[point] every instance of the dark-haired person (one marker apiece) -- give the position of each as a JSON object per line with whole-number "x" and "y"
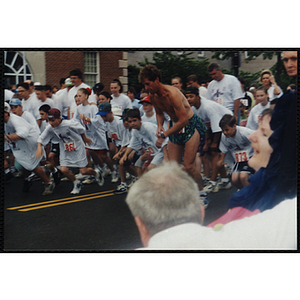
{"x": 119, "y": 101}
{"x": 224, "y": 89}
{"x": 131, "y": 93}
{"x": 22, "y": 138}
{"x": 186, "y": 129}
{"x": 76, "y": 77}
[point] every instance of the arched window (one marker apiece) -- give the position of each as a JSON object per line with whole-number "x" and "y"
{"x": 17, "y": 69}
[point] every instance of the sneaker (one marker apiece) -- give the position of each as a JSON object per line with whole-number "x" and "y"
{"x": 134, "y": 179}
{"x": 204, "y": 200}
{"x": 114, "y": 176}
{"x": 128, "y": 176}
{"x": 205, "y": 181}
{"x": 106, "y": 172}
{"x": 57, "y": 176}
{"x": 224, "y": 185}
{"x": 33, "y": 177}
{"x": 17, "y": 174}
{"x": 121, "y": 189}
{"x": 210, "y": 187}
{"x": 49, "y": 187}
{"x": 27, "y": 185}
{"x": 99, "y": 178}
{"x": 89, "y": 180}
{"x": 79, "y": 176}
{"x": 77, "y": 188}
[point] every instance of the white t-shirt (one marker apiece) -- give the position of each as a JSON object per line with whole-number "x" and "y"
{"x": 30, "y": 119}
{"x": 61, "y": 101}
{"x": 31, "y": 105}
{"x": 255, "y": 115}
{"x": 71, "y": 145}
{"x": 117, "y": 132}
{"x": 23, "y": 150}
{"x": 202, "y": 91}
{"x": 8, "y": 95}
{"x": 118, "y": 104}
{"x": 154, "y": 120}
{"x": 71, "y": 94}
{"x": 272, "y": 96}
{"x": 95, "y": 130}
{"x": 238, "y": 143}
{"x": 225, "y": 92}
{"x": 145, "y": 138}
{"x": 211, "y": 113}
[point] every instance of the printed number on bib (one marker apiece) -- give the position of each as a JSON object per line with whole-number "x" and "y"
{"x": 150, "y": 150}
{"x": 114, "y": 136}
{"x": 69, "y": 146}
{"x": 240, "y": 156}
{"x": 244, "y": 101}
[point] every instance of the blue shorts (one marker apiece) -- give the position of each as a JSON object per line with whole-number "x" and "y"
{"x": 195, "y": 123}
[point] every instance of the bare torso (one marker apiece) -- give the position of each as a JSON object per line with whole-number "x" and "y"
{"x": 170, "y": 100}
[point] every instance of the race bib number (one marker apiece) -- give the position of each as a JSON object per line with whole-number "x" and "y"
{"x": 258, "y": 118}
{"x": 244, "y": 101}
{"x": 219, "y": 100}
{"x": 150, "y": 150}
{"x": 114, "y": 136}
{"x": 240, "y": 156}
{"x": 69, "y": 146}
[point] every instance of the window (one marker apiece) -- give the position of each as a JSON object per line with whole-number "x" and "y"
{"x": 17, "y": 69}
{"x": 91, "y": 68}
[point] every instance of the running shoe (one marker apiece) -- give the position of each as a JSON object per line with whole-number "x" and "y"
{"x": 49, "y": 188}
{"x": 128, "y": 176}
{"x": 99, "y": 178}
{"x": 224, "y": 185}
{"x": 27, "y": 184}
{"x": 121, "y": 189}
{"x": 205, "y": 181}
{"x": 204, "y": 200}
{"x": 79, "y": 176}
{"x": 77, "y": 188}
{"x": 211, "y": 187}
{"x": 89, "y": 180}
{"x": 106, "y": 172}
{"x": 134, "y": 179}
{"x": 114, "y": 176}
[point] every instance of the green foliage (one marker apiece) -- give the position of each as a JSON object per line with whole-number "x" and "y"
{"x": 172, "y": 66}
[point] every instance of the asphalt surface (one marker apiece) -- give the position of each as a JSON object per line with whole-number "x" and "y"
{"x": 95, "y": 220}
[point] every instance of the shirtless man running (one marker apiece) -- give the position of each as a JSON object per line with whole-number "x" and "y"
{"x": 185, "y": 129}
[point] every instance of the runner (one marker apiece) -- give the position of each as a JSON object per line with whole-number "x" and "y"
{"x": 72, "y": 138}
{"x": 22, "y": 138}
{"x": 186, "y": 128}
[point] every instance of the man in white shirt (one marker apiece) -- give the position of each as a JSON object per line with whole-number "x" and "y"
{"x": 76, "y": 77}
{"x": 224, "y": 89}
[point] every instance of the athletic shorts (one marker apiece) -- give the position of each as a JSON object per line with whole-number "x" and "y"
{"x": 242, "y": 167}
{"x": 55, "y": 149}
{"x": 19, "y": 167}
{"x": 182, "y": 137}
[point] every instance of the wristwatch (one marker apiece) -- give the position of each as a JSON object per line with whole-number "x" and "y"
{"x": 162, "y": 135}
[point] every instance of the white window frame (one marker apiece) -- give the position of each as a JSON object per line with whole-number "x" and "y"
{"x": 97, "y": 73}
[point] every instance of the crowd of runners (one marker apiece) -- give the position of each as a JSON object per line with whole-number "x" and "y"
{"x": 209, "y": 128}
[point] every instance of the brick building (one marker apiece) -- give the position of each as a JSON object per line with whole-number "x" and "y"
{"x": 48, "y": 67}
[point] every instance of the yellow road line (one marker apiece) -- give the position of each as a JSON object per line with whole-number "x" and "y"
{"x": 66, "y": 202}
{"x": 58, "y": 200}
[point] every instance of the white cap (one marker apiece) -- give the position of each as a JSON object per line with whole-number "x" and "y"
{"x": 37, "y": 83}
{"x": 6, "y": 107}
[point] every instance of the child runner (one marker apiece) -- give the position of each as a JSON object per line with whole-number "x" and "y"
{"x": 72, "y": 138}
{"x": 235, "y": 139}
{"x": 95, "y": 127}
{"x": 22, "y": 138}
{"x": 262, "y": 98}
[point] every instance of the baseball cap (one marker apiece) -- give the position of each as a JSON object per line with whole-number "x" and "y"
{"x": 53, "y": 113}
{"x": 68, "y": 82}
{"x": 6, "y": 107}
{"x": 146, "y": 99}
{"x": 15, "y": 101}
{"x": 104, "y": 109}
{"x": 192, "y": 90}
{"x": 98, "y": 87}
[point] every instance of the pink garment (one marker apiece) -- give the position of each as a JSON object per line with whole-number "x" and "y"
{"x": 233, "y": 214}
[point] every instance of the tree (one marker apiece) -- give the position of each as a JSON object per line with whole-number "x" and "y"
{"x": 172, "y": 66}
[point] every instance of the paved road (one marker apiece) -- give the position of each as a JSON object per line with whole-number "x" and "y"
{"x": 95, "y": 220}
